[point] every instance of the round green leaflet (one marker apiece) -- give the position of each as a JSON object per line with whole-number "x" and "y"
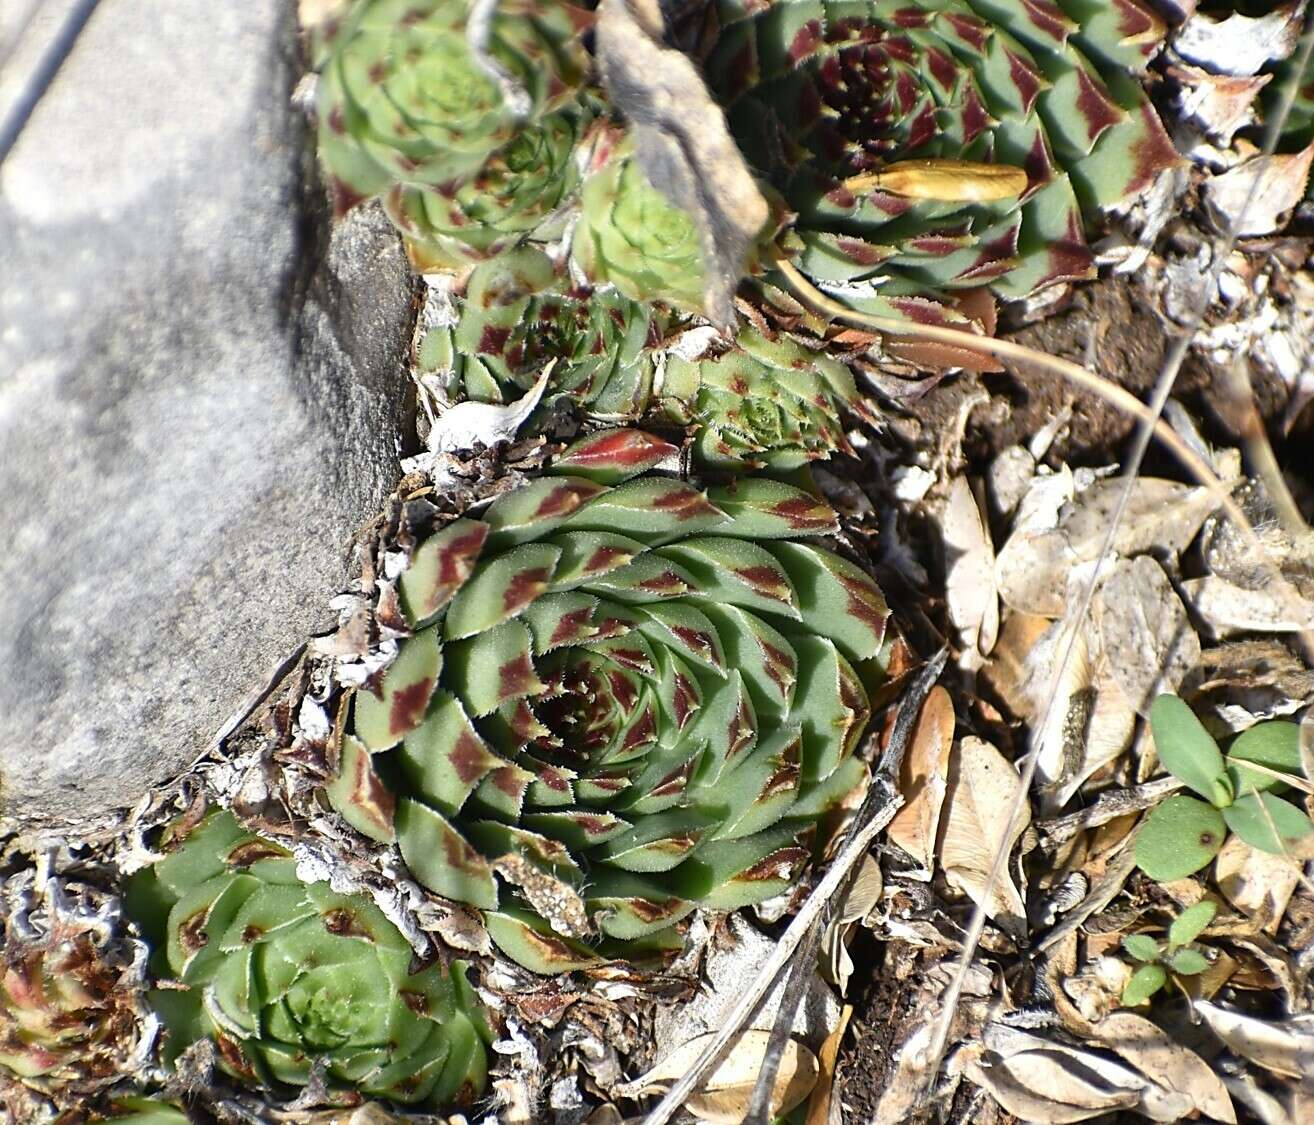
{"x": 1179, "y": 837}
{"x": 286, "y": 977}
{"x": 625, "y": 693}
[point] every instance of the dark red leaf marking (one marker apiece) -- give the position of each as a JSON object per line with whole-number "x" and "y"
{"x": 469, "y": 758}
{"x": 516, "y": 677}
{"x": 524, "y": 588}
{"x": 408, "y": 705}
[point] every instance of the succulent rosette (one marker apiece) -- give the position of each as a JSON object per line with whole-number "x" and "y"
{"x": 934, "y": 146}
{"x": 412, "y": 94}
{"x": 519, "y": 312}
{"x": 518, "y": 194}
{"x": 631, "y": 236}
{"x": 289, "y": 978}
{"x": 70, "y": 995}
{"x": 624, "y": 697}
{"x": 761, "y": 403}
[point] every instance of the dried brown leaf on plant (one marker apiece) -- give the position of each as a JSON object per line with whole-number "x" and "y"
{"x": 1241, "y": 44}
{"x": 982, "y": 789}
{"x": 682, "y": 143}
{"x": 1145, "y": 633}
{"x": 922, "y": 779}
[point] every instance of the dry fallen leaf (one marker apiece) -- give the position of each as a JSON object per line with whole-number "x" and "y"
{"x": 725, "y": 1094}
{"x": 1256, "y": 197}
{"x": 1220, "y": 103}
{"x": 1166, "y": 1063}
{"x": 922, "y": 778}
{"x": 1259, "y": 884}
{"x": 824, "y": 1105}
{"x": 970, "y": 593}
{"x": 1240, "y": 44}
{"x": 1050, "y": 1087}
{"x": 981, "y": 792}
{"x": 1282, "y": 1046}
{"x": 682, "y": 142}
{"x": 1144, "y": 631}
{"x": 1228, "y": 608}
{"x": 1091, "y": 722}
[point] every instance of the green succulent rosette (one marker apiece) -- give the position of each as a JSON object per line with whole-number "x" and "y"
{"x": 518, "y": 194}
{"x": 287, "y": 977}
{"x": 405, "y": 98}
{"x": 873, "y": 119}
{"x": 519, "y": 312}
{"x": 761, "y": 403}
{"x": 622, "y": 692}
{"x": 631, "y": 236}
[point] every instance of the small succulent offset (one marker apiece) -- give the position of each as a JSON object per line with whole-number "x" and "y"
{"x": 624, "y": 697}
{"x": 756, "y": 403}
{"x": 1177, "y": 957}
{"x": 136, "y": 1109}
{"x": 934, "y": 146}
{"x": 70, "y": 1011}
{"x": 290, "y": 979}
{"x": 468, "y": 131}
{"x": 1182, "y": 834}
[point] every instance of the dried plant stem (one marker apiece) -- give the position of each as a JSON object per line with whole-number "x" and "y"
{"x": 1108, "y": 806}
{"x": 874, "y": 814}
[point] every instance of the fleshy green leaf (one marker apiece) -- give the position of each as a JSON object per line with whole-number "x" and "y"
{"x": 383, "y": 717}
{"x": 1273, "y": 744}
{"x": 1267, "y": 822}
{"x": 1192, "y": 922}
{"x": 1141, "y": 946}
{"x": 1144, "y": 983}
{"x": 1188, "y": 751}
{"x": 1179, "y": 837}
{"x": 1188, "y": 962}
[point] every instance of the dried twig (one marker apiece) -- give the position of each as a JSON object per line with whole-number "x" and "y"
{"x": 1108, "y": 806}
{"x": 876, "y": 811}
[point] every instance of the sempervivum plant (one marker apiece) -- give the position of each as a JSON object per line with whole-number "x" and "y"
{"x": 623, "y": 697}
{"x": 933, "y": 146}
{"x": 69, "y": 992}
{"x": 631, "y": 236}
{"x": 519, "y": 312}
{"x": 290, "y": 979}
{"x": 757, "y": 402}
{"x": 415, "y": 99}
{"x": 760, "y": 403}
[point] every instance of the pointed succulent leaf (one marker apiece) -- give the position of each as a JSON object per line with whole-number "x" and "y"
{"x": 530, "y": 941}
{"x": 1267, "y": 822}
{"x": 441, "y": 858}
{"x": 612, "y": 456}
{"x": 289, "y": 980}
{"x": 439, "y": 568}
{"x": 396, "y": 706}
{"x": 1179, "y": 837}
{"x": 359, "y": 794}
{"x": 1188, "y": 751}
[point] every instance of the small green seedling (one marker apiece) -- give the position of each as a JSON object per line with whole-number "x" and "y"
{"x": 1177, "y": 957}
{"x": 1182, "y": 834}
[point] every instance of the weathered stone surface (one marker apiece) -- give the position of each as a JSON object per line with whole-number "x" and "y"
{"x": 200, "y": 398}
